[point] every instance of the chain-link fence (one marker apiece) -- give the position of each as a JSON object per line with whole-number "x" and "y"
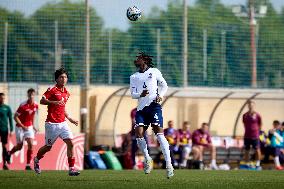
{"x": 225, "y": 48}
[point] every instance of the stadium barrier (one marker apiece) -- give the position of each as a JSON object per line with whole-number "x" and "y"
{"x": 56, "y": 159}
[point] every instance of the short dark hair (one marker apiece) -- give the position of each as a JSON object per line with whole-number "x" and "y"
{"x": 2, "y": 94}
{"x": 251, "y": 101}
{"x": 282, "y": 123}
{"x": 147, "y": 58}
{"x": 186, "y": 123}
{"x": 204, "y": 124}
{"x": 59, "y": 72}
{"x": 276, "y": 122}
{"x": 31, "y": 90}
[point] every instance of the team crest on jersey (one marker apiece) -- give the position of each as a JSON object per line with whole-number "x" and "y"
{"x": 150, "y": 76}
{"x": 31, "y": 112}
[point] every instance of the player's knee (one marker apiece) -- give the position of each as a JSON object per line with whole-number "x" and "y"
{"x": 195, "y": 150}
{"x": 19, "y": 146}
{"x": 48, "y": 148}
{"x": 187, "y": 150}
{"x": 30, "y": 147}
{"x": 139, "y": 135}
{"x": 69, "y": 144}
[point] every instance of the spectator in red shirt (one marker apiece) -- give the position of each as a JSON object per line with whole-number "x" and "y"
{"x": 201, "y": 141}
{"x": 252, "y": 123}
{"x": 56, "y": 125}
{"x": 25, "y": 128}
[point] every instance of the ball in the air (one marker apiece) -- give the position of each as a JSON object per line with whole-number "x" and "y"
{"x": 133, "y": 13}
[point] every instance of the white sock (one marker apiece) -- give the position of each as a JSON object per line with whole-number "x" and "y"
{"x": 143, "y": 147}
{"x": 276, "y": 161}
{"x": 184, "y": 162}
{"x": 213, "y": 162}
{"x": 164, "y": 145}
{"x": 185, "y": 154}
{"x": 257, "y": 163}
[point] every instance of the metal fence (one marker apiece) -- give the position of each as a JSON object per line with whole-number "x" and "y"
{"x": 225, "y": 48}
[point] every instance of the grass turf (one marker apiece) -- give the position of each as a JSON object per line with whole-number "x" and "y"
{"x": 98, "y": 179}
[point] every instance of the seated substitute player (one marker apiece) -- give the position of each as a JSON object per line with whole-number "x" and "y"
{"x": 201, "y": 140}
{"x": 56, "y": 126}
{"x": 25, "y": 128}
{"x": 172, "y": 137}
{"x": 184, "y": 143}
{"x": 276, "y": 144}
{"x": 144, "y": 87}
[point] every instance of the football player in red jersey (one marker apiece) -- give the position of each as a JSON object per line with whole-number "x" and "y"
{"x": 56, "y": 125}
{"x": 25, "y": 128}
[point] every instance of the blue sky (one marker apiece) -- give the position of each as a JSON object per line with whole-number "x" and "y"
{"x": 115, "y": 8}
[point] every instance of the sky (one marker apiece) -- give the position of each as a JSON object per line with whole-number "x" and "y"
{"x": 110, "y": 9}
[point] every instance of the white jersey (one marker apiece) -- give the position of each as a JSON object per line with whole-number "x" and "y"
{"x": 148, "y": 80}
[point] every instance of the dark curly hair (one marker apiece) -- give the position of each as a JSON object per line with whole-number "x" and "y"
{"x": 147, "y": 58}
{"x": 59, "y": 72}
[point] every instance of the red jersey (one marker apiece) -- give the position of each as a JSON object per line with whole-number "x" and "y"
{"x": 252, "y": 123}
{"x": 26, "y": 113}
{"x": 56, "y": 113}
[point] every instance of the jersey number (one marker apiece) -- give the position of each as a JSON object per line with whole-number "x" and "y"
{"x": 144, "y": 85}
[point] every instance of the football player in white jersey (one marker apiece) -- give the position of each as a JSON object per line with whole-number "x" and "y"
{"x": 144, "y": 87}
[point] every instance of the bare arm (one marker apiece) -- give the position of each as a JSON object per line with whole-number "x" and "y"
{"x": 10, "y": 120}
{"x": 75, "y": 122}
{"x": 18, "y": 121}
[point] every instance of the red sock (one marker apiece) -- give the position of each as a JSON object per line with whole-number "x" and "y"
{"x": 71, "y": 161}
{"x": 29, "y": 156}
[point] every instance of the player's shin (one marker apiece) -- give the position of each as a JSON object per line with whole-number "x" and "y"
{"x": 165, "y": 148}
{"x": 143, "y": 147}
{"x": 71, "y": 162}
{"x": 29, "y": 156}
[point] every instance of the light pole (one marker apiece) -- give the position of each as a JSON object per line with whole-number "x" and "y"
{"x": 185, "y": 45}
{"x": 85, "y": 103}
{"x": 252, "y": 14}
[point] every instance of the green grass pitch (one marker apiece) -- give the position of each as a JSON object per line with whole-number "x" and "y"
{"x": 98, "y": 179}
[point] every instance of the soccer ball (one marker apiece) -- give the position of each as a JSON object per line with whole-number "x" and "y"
{"x": 133, "y": 13}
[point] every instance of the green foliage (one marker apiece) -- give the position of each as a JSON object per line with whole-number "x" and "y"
{"x": 31, "y": 49}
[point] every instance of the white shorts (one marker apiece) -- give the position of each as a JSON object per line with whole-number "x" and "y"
{"x": 55, "y": 130}
{"x": 22, "y": 134}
